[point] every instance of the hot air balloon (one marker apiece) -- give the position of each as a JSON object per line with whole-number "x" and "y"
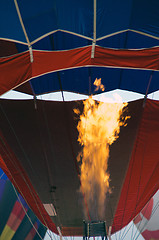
{"x": 17, "y": 219}
{"x": 48, "y": 46}
{"x": 147, "y": 220}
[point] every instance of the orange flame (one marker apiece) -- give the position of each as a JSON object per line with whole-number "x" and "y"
{"x": 98, "y": 128}
{"x": 98, "y": 85}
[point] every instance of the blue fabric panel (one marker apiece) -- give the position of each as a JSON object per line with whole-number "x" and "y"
{"x": 44, "y": 16}
{"x": 138, "y": 81}
{"x": 136, "y": 41}
{"x": 116, "y": 41}
{"x": 61, "y": 41}
{"x": 41, "y": 17}
{"x": 145, "y": 16}
{"x": 74, "y": 80}
{"x": 57, "y": 41}
{"x": 128, "y": 40}
{"x": 112, "y": 16}
{"x": 10, "y": 27}
{"x": 77, "y": 80}
{"x": 65, "y": 41}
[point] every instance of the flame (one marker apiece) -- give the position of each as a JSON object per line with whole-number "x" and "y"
{"x": 98, "y": 128}
{"x": 98, "y": 85}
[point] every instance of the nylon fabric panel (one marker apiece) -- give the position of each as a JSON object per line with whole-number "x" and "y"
{"x": 60, "y": 60}
{"x": 61, "y": 41}
{"x": 128, "y": 40}
{"x": 10, "y": 27}
{"x": 57, "y": 14}
{"x": 145, "y": 17}
{"x": 141, "y": 180}
{"x": 14, "y": 71}
{"x": 113, "y": 16}
{"x": 142, "y": 59}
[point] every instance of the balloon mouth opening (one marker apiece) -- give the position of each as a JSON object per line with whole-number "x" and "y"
{"x": 94, "y": 229}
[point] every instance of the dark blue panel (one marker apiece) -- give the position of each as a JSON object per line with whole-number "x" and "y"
{"x": 39, "y": 17}
{"x": 154, "y": 85}
{"x": 10, "y": 27}
{"x": 57, "y": 41}
{"x": 65, "y": 41}
{"x": 74, "y": 80}
{"x": 138, "y": 81}
{"x": 42, "y": 17}
{"x": 61, "y": 41}
{"x": 112, "y": 16}
{"x": 128, "y": 40}
{"x": 110, "y": 78}
{"x": 145, "y": 16}
{"x": 136, "y": 41}
{"x": 116, "y": 41}
{"x": 78, "y": 80}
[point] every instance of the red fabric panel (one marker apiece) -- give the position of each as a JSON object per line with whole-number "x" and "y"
{"x": 142, "y": 178}
{"x": 143, "y": 59}
{"x": 20, "y": 180}
{"x": 14, "y": 71}
{"x": 150, "y": 235}
{"x": 53, "y": 61}
{"x": 17, "y": 69}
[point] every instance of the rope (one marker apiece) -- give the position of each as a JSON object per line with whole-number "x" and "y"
{"x": 24, "y": 30}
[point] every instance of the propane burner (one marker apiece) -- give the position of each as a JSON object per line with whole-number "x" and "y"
{"x": 94, "y": 229}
